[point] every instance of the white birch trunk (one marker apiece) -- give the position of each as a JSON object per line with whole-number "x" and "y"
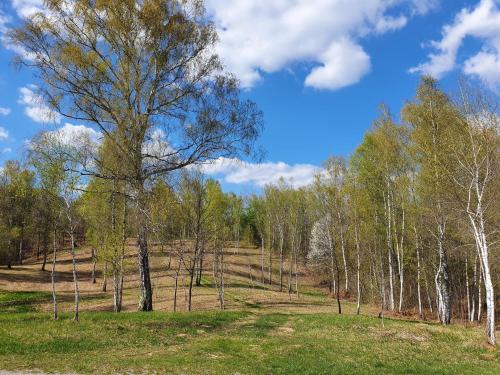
{"x": 419, "y": 294}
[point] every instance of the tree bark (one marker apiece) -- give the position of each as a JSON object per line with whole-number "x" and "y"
{"x": 281, "y": 258}
{"x": 467, "y": 288}
{"x": 443, "y": 280}
{"x": 358, "y": 268}
{"x": 21, "y": 244}
{"x": 53, "y": 276}
{"x": 75, "y": 276}
{"x": 419, "y": 294}
{"x": 105, "y": 277}
{"x": 262, "y": 259}
{"x": 389, "y": 250}
{"x": 342, "y": 246}
{"x": 146, "y": 291}
{"x": 94, "y": 261}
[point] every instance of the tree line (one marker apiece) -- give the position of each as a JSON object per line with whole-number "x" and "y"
{"x": 410, "y": 220}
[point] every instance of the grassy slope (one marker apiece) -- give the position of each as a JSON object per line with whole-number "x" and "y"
{"x": 263, "y": 330}
{"x": 253, "y": 341}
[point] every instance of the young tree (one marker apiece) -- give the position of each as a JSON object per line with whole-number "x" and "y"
{"x": 59, "y": 158}
{"x": 218, "y": 228}
{"x": 475, "y": 172}
{"x": 323, "y": 250}
{"x": 432, "y": 117}
{"x": 194, "y": 203}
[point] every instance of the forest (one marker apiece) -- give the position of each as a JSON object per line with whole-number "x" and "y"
{"x": 406, "y": 227}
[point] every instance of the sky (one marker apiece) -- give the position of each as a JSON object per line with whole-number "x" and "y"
{"x": 318, "y": 69}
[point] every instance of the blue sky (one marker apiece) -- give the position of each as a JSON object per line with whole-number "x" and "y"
{"x": 318, "y": 69}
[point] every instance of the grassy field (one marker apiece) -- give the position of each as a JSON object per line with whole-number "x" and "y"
{"x": 235, "y": 342}
{"x": 263, "y": 331}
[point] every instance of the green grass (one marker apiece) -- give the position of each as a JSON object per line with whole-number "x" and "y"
{"x": 244, "y": 342}
{"x": 16, "y": 302}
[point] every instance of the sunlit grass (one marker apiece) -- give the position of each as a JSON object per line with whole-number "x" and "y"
{"x": 244, "y": 342}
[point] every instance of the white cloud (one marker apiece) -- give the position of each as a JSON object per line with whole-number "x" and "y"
{"x": 4, "y": 134}
{"x": 6, "y": 150}
{"x": 4, "y": 20}
{"x": 72, "y": 135}
{"x": 422, "y": 7}
{"x": 344, "y": 63}
{"x": 4, "y": 111}
{"x": 27, "y": 8}
{"x": 481, "y": 22}
{"x": 271, "y": 35}
{"x": 35, "y": 107}
{"x": 235, "y": 171}
{"x": 485, "y": 65}
{"x": 23, "y": 9}
{"x": 390, "y": 23}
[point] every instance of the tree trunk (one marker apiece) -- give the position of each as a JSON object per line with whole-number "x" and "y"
{"x": 358, "y": 267}
{"x": 38, "y": 245}
{"x": 290, "y": 267}
{"x": 419, "y": 295}
{"x": 190, "y": 295}
{"x": 480, "y": 294}
{"x": 281, "y": 259}
{"x": 105, "y": 277}
{"x": 262, "y": 259}
{"x": 21, "y": 244}
{"x": 389, "y": 250}
{"x": 175, "y": 291}
{"x": 146, "y": 291}
{"x": 467, "y": 287}
{"x": 75, "y": 276}
{"x": 479, "y": 232}
{"x": 53, "y": 276}
{"x": 443, "y": 280}
{"x": 474, "y": 286}
{"x": 296, "y": 275}
{"x": 337, "y": 292}
{"x": 222, "y": 297}
{"x": 199, "y": 269}
{"x": 45, "y": 251}
{"x": 94, "y": 261}
{"x": 271, "y": 260}
{"x": 342, "y": 246}
{"x": 400, "y": 249}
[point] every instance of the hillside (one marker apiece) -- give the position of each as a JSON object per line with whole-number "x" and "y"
{"x": 262, "y": 330}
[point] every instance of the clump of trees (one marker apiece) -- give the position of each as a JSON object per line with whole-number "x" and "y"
{"x": 410, "y": 221}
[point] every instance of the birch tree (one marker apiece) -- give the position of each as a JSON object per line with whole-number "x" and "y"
{"x": 432, "y": 116}
{"x": 475, "y": 171}
{"x": 140, "y": 73}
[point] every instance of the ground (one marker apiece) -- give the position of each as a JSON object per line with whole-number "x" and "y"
{"x": 262, "y": 330}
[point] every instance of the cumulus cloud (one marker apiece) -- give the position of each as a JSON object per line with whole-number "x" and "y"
{"x": 4, "y": 21}
{"x": 4, "y": 111}
{"x": 422, "y": 7}
{"x": 35, "y": 107}
{"x": 482, "y": 23}
{"x": 27, "y": 8}
{"x": 259, "y": 36}
{"x": 22, "y": 9}
{"x": 72, "y": 135}
{"x": 344, "y": 63}
{"x": 4, "y": 134}
{"x": 235, "y": 171}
